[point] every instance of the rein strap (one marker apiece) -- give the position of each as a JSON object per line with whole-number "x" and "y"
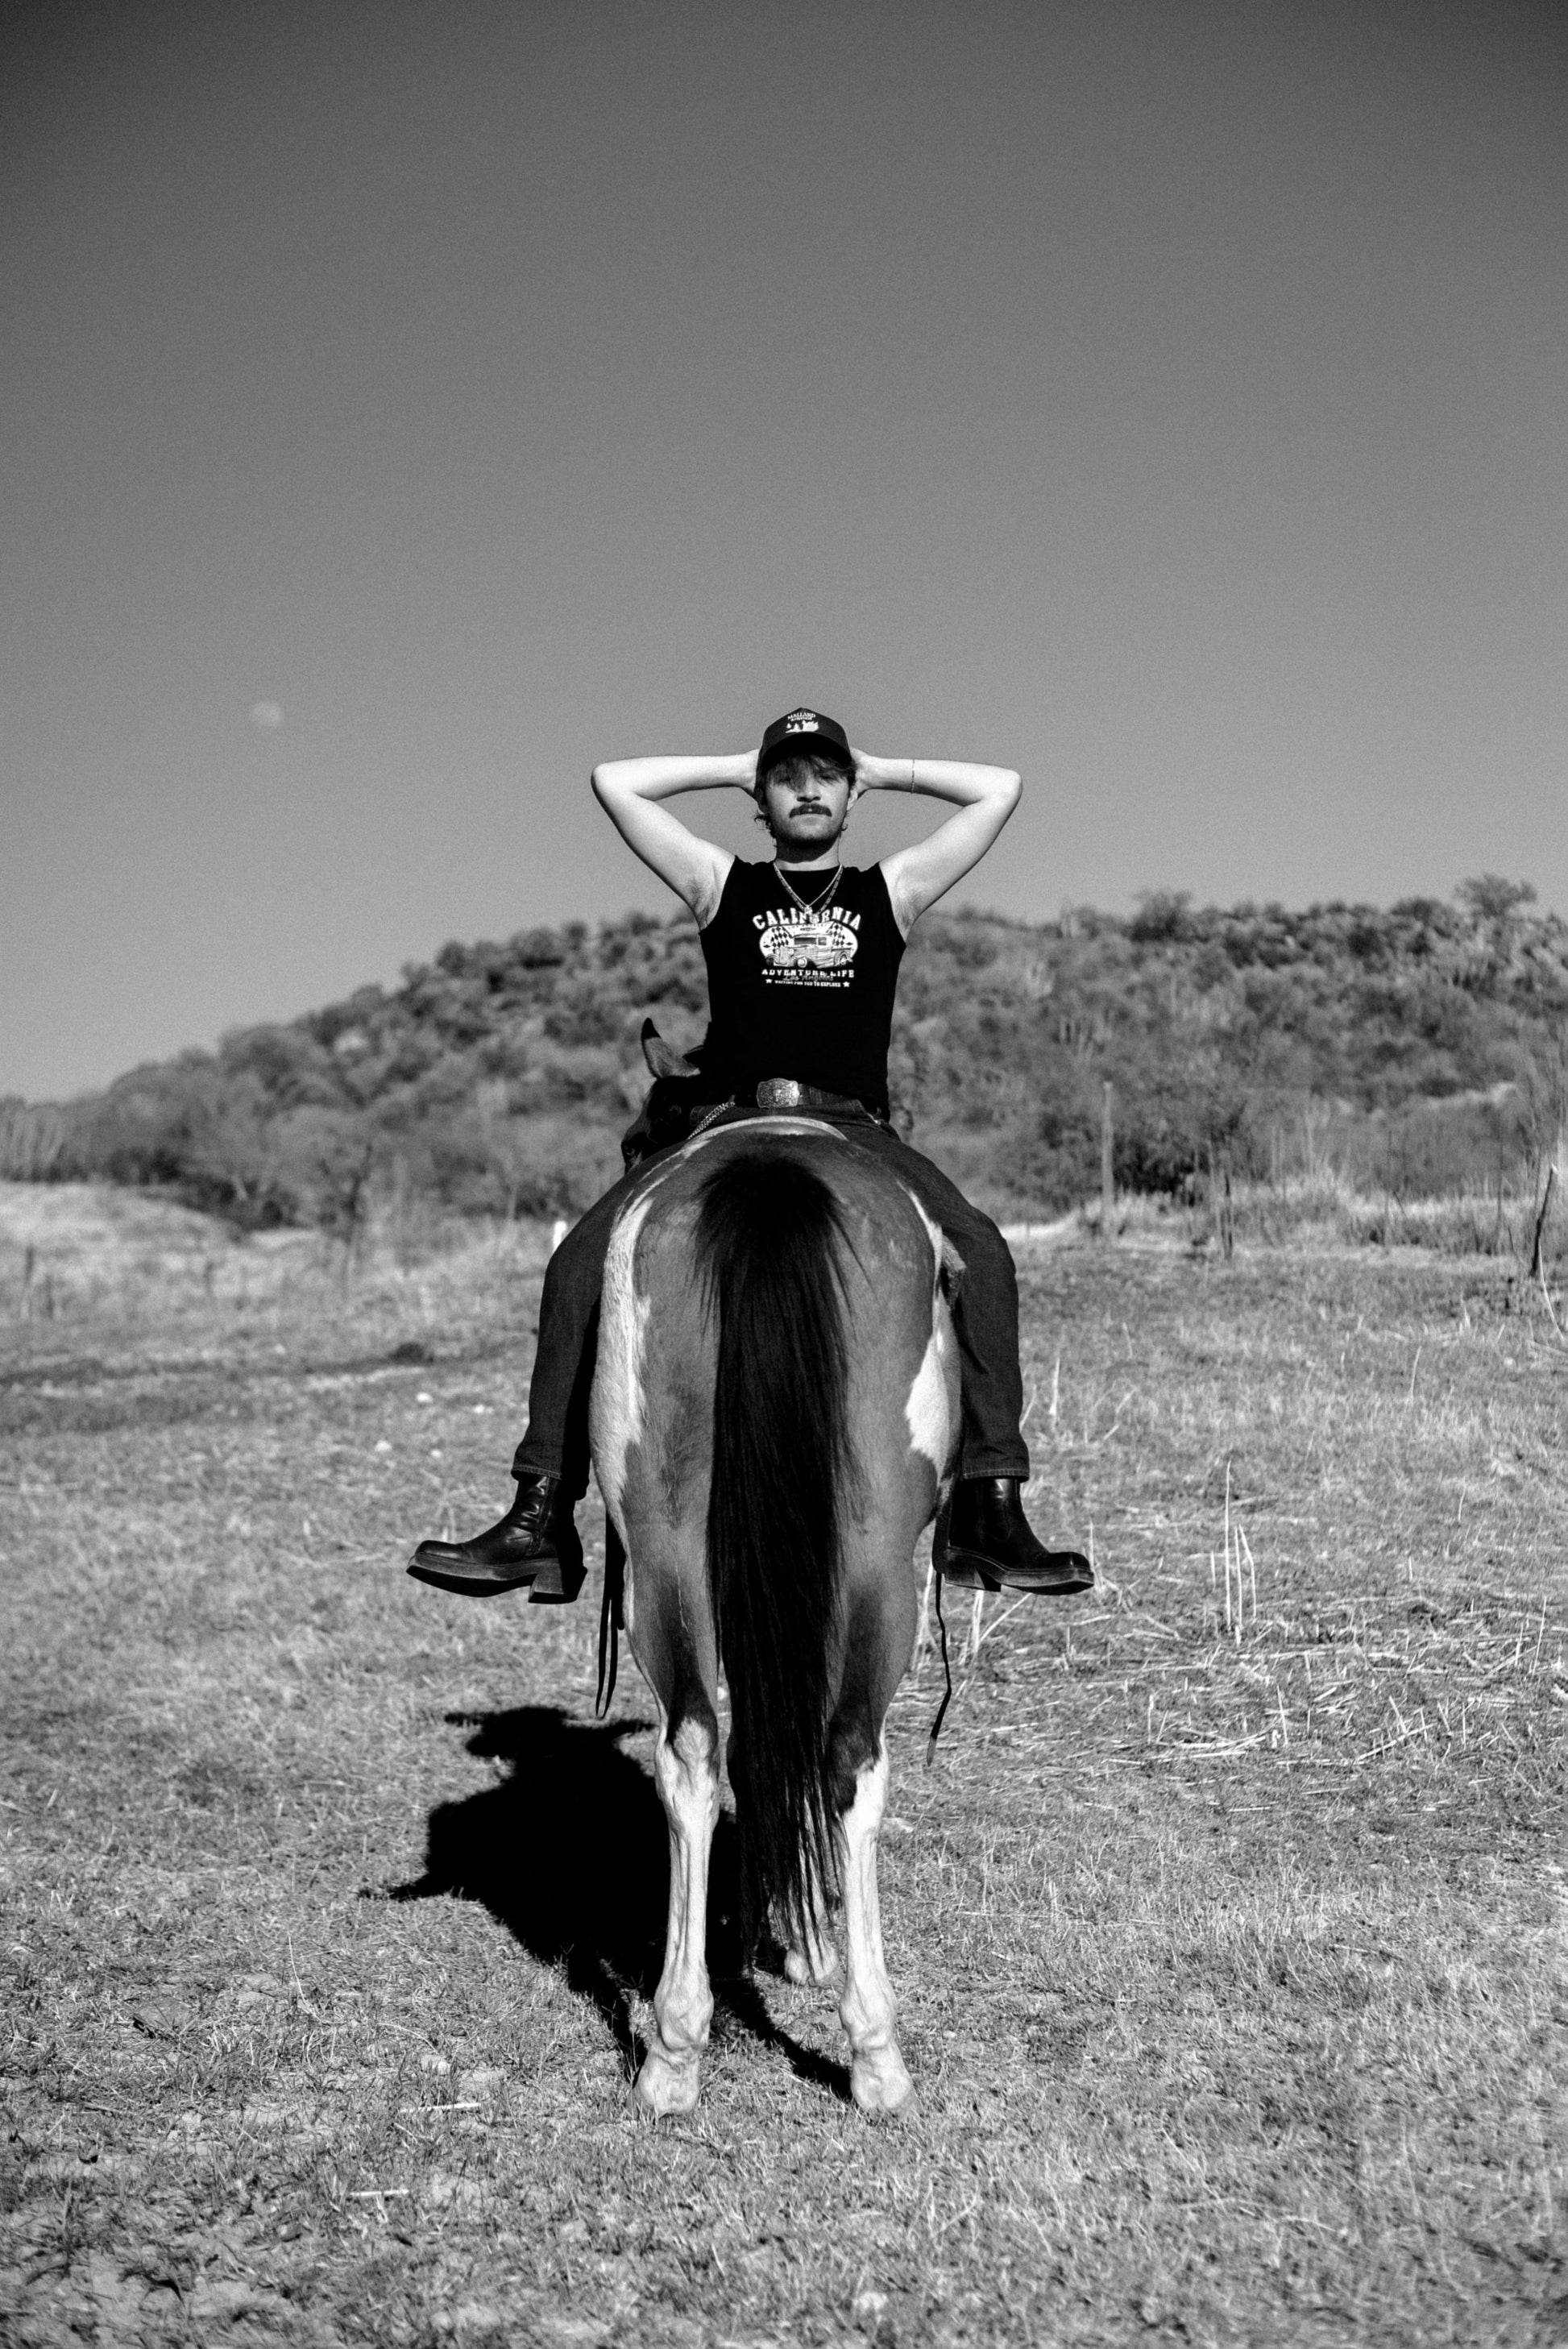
{"x": 610, "y": 1616}
{"x": 947, "y": 1672}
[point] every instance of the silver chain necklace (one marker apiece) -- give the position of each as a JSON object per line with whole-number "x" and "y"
{"x": 813, "y": 904}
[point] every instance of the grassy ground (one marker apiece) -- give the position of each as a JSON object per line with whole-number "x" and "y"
{"x": 1230, "y": 1954}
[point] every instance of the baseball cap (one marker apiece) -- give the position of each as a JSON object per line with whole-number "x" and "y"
{"x": 805, "y": 729}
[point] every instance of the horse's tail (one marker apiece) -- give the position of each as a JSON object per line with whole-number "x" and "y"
{"x": 770, "y": 1233}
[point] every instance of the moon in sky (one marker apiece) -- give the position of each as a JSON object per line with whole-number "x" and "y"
{"x": 267, "y": 715}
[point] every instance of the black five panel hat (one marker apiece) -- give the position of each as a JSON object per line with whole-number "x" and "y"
{"x": 804, "y": 730}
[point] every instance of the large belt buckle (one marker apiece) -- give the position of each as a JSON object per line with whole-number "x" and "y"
{"x": 780, "y": 1092}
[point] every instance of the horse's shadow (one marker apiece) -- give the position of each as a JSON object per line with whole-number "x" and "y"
{"x": 571, "y": 1854}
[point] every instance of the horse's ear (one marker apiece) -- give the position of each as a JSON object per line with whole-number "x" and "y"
{"x": 950, "y": 1280}
{"x": 662, "y": 1060}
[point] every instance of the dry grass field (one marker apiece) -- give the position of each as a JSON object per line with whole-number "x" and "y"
{"x": 1230, "y": 1951}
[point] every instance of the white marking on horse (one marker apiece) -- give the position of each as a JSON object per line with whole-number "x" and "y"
{"x": 868, "y": 2010}
{"x": 617, "y": 1403}
{"x": 685, "y": 1771}
{"x": 933, "y": 1233}
{"x": 927, "y": 1413}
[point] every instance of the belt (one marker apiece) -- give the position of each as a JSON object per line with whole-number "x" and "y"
{"x": 788, "y": 1092}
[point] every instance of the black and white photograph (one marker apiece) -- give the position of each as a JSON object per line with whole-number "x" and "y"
{"x": 783, "y": 1148}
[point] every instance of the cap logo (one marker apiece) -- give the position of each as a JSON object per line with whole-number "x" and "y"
{"x": 801, "y": 721}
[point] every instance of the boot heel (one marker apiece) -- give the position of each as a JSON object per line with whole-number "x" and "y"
{"x": 558, "y": 1581}
{"x": 961, "y": 1572}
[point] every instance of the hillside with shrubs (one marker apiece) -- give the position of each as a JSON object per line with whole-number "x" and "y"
{"x": 1418, "y": 1050}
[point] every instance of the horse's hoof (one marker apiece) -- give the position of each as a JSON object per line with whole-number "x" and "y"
{"x": 879, "y": 2084}
{"x": 663, "y": 2086}
{"x": 808, "y": 1974}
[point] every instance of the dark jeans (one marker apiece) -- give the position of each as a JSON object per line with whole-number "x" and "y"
{"x": 985, "y": 1317}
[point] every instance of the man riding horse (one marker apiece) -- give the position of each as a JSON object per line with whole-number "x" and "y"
{"x": 802, "y": 955}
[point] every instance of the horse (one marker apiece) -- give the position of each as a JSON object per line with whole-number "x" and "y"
{"x": 774, "y": 1417}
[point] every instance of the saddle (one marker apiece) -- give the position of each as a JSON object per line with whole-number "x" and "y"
{"x": 681, "y": 1094}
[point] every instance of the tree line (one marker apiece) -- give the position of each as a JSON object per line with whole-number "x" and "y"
{"x": 1422, "y": 1047}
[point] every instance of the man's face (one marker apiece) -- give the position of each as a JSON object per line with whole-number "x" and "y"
{"x": 806, "y": 804}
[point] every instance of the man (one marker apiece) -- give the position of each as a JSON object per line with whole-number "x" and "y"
{"x": 803, "y": 957}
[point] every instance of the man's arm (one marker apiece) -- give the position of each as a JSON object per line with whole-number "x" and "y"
{"x": 984, "y": 798}
{"x": 629, "y": 791}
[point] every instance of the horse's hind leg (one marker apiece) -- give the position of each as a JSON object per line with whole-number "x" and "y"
{"x": 867, "y": 2009}
{"x": 881, "y": 1636}
{"x": 685, "y": 1772}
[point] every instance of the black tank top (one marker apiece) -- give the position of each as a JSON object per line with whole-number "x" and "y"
{"x": 800, "y": 995}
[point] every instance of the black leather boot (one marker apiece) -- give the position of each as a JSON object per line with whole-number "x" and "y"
{"x": 534, "y": 1543}
{"x": 985, "y": 1542}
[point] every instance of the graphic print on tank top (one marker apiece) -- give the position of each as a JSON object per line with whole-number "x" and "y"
{"x": 813, "y": 947}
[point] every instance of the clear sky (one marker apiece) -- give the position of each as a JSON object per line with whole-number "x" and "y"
{"x": 403, "y": 406}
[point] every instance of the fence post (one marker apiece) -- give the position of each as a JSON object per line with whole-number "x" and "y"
{"x": 1106, "y": 1183}
{"x": 1540, "y": 1219}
